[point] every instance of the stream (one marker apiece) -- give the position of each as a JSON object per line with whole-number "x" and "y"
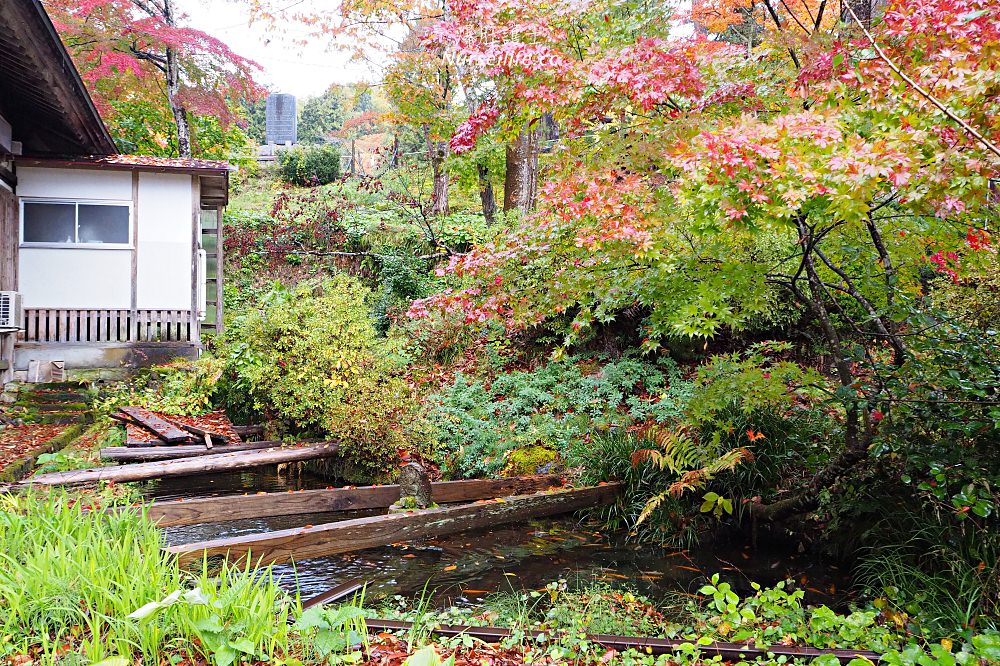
{"x": 464, "y": 568}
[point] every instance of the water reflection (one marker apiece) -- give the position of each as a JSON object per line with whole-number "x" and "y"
{"x": 461, "y": 569}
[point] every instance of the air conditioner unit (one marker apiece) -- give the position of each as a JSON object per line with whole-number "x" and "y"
{"x": 10, "y": 311}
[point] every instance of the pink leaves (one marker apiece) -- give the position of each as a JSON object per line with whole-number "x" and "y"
{"x": 477, "y": 124}
{"x": 946, "y": 263}
{"x": 648, "y": 73}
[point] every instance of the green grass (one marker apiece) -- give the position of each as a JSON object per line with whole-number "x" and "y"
{"x": 70, "y": 579}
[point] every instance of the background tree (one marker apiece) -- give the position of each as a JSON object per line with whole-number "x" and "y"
{"x": 140, "y": 52}
{"x": 321, "y": 116}
{"x": 831, "y": 170}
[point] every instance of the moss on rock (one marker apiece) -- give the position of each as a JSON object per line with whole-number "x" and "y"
{"x": 530, "y": 460}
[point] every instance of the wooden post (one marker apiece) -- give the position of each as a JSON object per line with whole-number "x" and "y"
{"x": 9, "y": 242}
{"x": 219, "y": 258}
{"x": 134, "y": 303}
{"x": 195, "y": 246}
{"x": 349, "y": 535}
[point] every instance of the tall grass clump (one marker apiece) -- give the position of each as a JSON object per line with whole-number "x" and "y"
{"x": 99, "y": 584}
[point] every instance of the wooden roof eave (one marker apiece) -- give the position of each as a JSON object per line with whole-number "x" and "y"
{"x": 45, "y": 98}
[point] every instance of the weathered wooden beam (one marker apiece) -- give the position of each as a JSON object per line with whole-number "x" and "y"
{"x": 350, "y": 535}
{"x": 219, "y": 509}
{"x": 219, "y": 462}
{"x": 204, "y": 434}
{"x": 738, "y": 652}
{"x": 162, "y": 428}
{"x": 248, "y": 430}
{"x": 131, "y": 454}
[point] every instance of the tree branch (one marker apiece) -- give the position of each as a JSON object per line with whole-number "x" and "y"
{"x": 916, "y": 86}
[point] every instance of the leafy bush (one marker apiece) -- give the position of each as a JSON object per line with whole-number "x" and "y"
{"x": 311, "y": 360}
{"x": 479, "y": 423}
{"x": 183, "y": 387}
{"x": 315, "y": 165}
{"x": 769, "y": 617}
{"x": 100, "y": 584}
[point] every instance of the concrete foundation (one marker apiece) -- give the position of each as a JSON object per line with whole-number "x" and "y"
{"x": 111, "y": 356}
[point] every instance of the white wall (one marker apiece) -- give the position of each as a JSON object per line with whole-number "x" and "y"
{"x": 102, "y": 278}
{"x": 75, "y": 277}
{"x": 72, "y": 278}
{"x": 74, "y": 183}
{"x": 164, "y": 247}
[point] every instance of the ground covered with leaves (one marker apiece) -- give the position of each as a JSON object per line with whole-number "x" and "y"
{"x": 18, "y": 441}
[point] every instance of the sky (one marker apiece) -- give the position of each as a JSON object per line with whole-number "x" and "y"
{"x": 302, "y": 71}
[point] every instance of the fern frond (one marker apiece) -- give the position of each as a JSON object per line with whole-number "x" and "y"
{"x": 680, "y": 451}
{"x": 651, "y": 505}
{"x": 729, "y": 460}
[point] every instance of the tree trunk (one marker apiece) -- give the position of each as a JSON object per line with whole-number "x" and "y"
{"x": 486, "y": 195}
{"x": 438, "y": 150}
{"x": 858, "y": 432}
{"x": 520, "y": 186}
{"x": 174, "y": 89}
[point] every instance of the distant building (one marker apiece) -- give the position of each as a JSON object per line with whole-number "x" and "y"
{"x": 282, "y": 119}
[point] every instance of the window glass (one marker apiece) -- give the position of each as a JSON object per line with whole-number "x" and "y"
{"x": 49, "y": 222}
{"x": 104, "y": 224}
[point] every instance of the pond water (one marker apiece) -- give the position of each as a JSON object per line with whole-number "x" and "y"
{"x": 462, "y": 569}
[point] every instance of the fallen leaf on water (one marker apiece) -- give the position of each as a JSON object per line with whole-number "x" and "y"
{"x": 450, "y": 567}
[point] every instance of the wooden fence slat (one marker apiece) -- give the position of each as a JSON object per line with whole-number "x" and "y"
{"x": 107, "y": 325}
{"x": 31, "y": 325}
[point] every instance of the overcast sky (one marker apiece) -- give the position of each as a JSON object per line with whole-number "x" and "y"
{"x": 288, "y": 68}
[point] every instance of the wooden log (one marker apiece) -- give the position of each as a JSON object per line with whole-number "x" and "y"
{"x": 219, "y": 509}
{"x": 165, "y": 430}
{"x": 248, "y": 430}
{"x": 218, "y": 462}
{"x": 349, "y": 535}
{"x": 147, "y": 453}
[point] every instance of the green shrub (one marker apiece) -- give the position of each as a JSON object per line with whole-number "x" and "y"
{"x": 310, "y": 360}
{"x": 315, "y": 165}
{"x": 479, "y": 424}
{"x": 182, "y": 387}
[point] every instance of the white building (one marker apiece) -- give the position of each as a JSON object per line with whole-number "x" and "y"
{"x": 113, "y": 260}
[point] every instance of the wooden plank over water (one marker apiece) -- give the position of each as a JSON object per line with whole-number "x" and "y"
{"x": 129, "y": 454}
{"x": 165, "y": 430}
{"x": 219, "y": 462}
{"x": 350, "y": 535}
{"x": 219, "y": 509}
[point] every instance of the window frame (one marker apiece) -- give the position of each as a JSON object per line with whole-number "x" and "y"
{"x": 76, "y": 244}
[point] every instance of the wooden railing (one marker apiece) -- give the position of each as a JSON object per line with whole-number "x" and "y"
{"x": 97, "y": 325}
